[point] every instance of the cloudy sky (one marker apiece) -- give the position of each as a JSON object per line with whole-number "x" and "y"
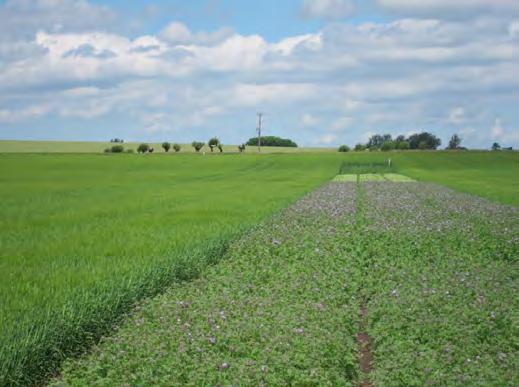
{"x": 325, "y": 72}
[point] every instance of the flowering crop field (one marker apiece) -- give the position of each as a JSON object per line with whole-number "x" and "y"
{"x": 372, "y": 282}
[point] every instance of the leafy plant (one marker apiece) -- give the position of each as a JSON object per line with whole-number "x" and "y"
{"x": 344, "y": 148}
{"x": 197, "y": 145}
{"x": 177, "y": 147}
{"x": 166, "y": 146}
{"x": 213, "y": 143}
{"x": 143, "y": 148}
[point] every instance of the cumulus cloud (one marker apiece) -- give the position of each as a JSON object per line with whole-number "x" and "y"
{"x": 333, "y": 85}
{"x": 327, "y": 9}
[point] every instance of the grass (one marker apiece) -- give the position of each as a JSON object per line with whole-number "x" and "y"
{"x": 84, "y": 236}
{"x": 435, "y": 271}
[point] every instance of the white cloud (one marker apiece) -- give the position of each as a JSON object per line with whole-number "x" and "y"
{"x": 457, "y": 115}
{"x": 327, "y": 9}
{"x": 309, "y": 120}
{"x": 497, "y": 130}
{"x": 327, "y": 139}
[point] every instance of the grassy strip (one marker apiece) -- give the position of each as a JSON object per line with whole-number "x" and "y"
{"x": 397, "y": 178}
{"x": 281, "y": 309}
{"x": 345, "y": 178}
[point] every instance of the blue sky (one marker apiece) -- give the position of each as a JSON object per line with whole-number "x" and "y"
{"x": 325, "y": 72}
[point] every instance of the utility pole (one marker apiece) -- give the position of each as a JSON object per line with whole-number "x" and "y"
{"x": 260, "y": 122}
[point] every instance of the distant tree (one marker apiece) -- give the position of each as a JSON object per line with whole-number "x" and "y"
{"x": 241, "y": 148}
{"x": 403, "y": 145}
{"x": 496, "y": 146}
{"x": 388, "y": 145}
{"x": 166, "y": 146}
{"x": 117, "y": 140}
{"x": 375, "y": 142}
{"x": 197, "y": 145}
{"x": 143, "y": 148}
{"x": 400, "y": 138}
{"x": 272, "y": 141}
{"x": 177, "y": 147}
{"x": 344, "y": 148}
{"x": 117, "y": 149}
{"x": 213, "y": 143}
{"x": 360, "y": 147}
{"x": 454, "y": 142}
{"x": 151, "y": 150}
{"x": 430, "y": 141}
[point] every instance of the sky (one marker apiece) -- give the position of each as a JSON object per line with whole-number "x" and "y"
{"x": 324, "y": 72}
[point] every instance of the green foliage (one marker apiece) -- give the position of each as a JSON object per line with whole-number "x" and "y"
{"x": 177, "y": 147}
{"x": 213, "y": 143}
{"x": 166, "y": 146}
{"x": 496, "y": 146}
{"x": 454, "y": 142}
{"x": 423, "y": 141}
{"x": 130, "y": 151}
{"x": 197, "y": 145}
{"x": 403, "y": 145}
{"x": 241, "y": 148}
{"x": 360, "y": 147}
{"x": 117, "y": 149}
{"x": 344, "y": 148}
{"x": 388, "y": 145}
{"x": 143, "y": 148}
{"x": 272, "y": 141}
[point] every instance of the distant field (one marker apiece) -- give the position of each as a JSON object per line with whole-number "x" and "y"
{"x": 84, "y": 236}
{"x": 99, "y": 147}
{"x": 492, "y": 175}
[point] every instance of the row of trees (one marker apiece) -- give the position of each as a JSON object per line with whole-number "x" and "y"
{"x": 213, "y": 143}
{"x": 421, "y": 141}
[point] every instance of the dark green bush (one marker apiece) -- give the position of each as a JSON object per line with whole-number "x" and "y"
{"x": 344, "y": 148}
{"x": 177, "y": 147}
{"x": 166, "y": 146}
{"x": 197, "y": 145}
{"x": 272, "y": 141}
{"x": 143, "y": 148}
{"x": 117, "y": 149}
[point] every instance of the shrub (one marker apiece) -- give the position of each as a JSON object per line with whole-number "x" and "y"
{"x": 344, "y": 148}
{"x": 272, "y": 141}
{"x": 388, "y": 145}
{"x": 117, "y": 149}
{"x": 143, "y": 148}
{"x": 241, "y": 148}
{"x": 213, "y": 143}
{"x": 130, "y": 151}
{"x": 220, "y": 147}
{"x": 360, "y": 147}
{"x": 197, "y": 145}
{"x": 177, "y": 147}
{"x": 166, "y": 146}
{"x": 108, "y": 150}
{"x": 422, "y": 145}
{"x": 403, "y": 145}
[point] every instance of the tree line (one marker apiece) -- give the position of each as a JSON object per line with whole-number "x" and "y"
{"x": 417, "y": 141}
{"x": 213, "y": 144}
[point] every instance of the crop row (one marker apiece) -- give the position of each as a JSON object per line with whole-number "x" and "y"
{"x": 435, "y": 272}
